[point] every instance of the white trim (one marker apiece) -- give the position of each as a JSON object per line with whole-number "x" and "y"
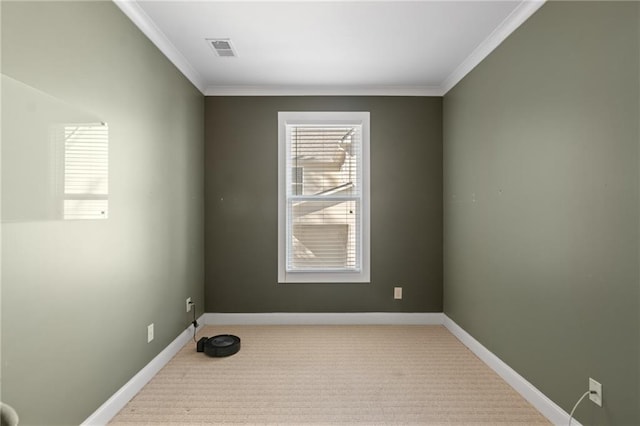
{"x": 323, "y": 91}
{"x": 118, "y": 400}
{"x": 132, "y": 9}
{"x": 345, "y": 318}
{"x": 516, "y": 18}
{"x": 540, "y": 401}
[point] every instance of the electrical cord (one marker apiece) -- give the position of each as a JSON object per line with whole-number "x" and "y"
{"x": 194, "y": 322}
{"x": 578, "y": 403}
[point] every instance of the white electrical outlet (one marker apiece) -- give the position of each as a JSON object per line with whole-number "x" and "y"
{"x": 149, "y": 332}
{"x": 397, "y": 292}
{"x": 597, "y": 388}
{"x": 188, "y": 304}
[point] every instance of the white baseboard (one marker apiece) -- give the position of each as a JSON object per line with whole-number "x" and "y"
{"x": 346, "y": 318}
{"x": 547, "y": 407}
{"x": 118, "y": 400}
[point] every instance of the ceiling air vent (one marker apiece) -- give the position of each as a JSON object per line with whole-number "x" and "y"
{"x": 222, "y": 47}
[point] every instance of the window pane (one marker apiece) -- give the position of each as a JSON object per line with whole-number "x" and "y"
{"x": 324, "y": 160}
{"x": 323, "y": 235}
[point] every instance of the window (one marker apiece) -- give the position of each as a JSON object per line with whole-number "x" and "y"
{"x": 323, "y": 210}
{"x": 85, "y": 190}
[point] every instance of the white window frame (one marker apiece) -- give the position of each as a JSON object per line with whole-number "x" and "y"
{"x": 360, "y": 118}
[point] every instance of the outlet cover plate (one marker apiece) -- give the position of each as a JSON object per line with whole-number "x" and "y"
{"x": 397, "y": 293}
{"x": 149, "y": 332}
{"x": 597, "y": 387}
{"x": 188, "y": 304}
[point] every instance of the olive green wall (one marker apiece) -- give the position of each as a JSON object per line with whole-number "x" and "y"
{"x": 541, "y": 205}
{"x": 77, "y": 296}
{"x": 241, "y": 209}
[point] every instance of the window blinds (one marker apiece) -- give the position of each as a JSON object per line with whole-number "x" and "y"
{"x": 324, "y": 198}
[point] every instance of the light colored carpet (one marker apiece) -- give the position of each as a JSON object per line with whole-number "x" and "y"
{"x": 331, "y": 375}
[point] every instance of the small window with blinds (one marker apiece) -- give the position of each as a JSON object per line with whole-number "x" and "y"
{"x": 85, "y": 171}
{"x": 323, "y": 197}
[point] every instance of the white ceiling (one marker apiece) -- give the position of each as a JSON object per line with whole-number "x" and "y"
{"x": 328, "y": 47}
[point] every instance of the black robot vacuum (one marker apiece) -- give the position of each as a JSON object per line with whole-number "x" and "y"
{"x": 219, "y": 346}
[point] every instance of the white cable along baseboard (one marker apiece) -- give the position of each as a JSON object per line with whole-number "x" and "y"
{"x": 113, "y": 405}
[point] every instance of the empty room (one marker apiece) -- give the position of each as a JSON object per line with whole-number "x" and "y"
{"x": 320, "y": 212}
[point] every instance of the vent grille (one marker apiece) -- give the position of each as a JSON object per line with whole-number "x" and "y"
{"x": 222, "y": 47}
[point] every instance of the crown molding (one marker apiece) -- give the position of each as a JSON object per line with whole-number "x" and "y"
{"x": 520, "y": 14}
{"x": 138, "y": 16}
{"x": 323, "y": 91}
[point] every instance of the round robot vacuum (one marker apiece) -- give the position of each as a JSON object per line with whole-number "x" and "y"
{"x": 222, "y": 345}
